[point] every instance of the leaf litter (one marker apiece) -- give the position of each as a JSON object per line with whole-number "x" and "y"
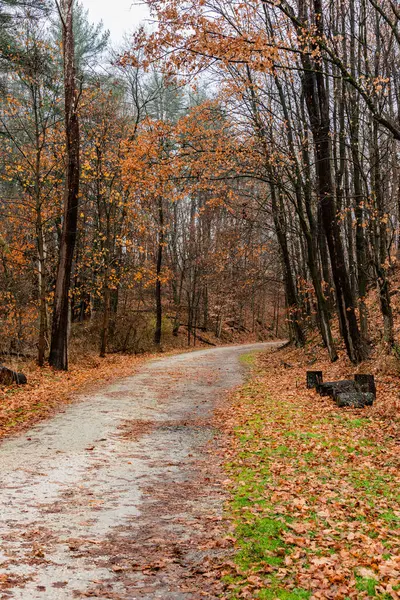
{"x": 314, "y": 490}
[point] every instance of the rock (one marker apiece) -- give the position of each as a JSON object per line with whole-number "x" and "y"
{"x": 354, "y": 399}
{"x": 7, "y": 377}
{"x": 339, "y": 387}
{"x": 314, "y": 379}
{"x": 366, "y": 383}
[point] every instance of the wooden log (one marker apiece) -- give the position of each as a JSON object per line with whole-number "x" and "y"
{"x": 365, "y": 383}
{"x": 314, "y": 379}
{"x": 350, "y": 399}
{"x": 331, "y": 387}
{"x": 21, "y": 379}
{"x": 201, "y": 339}
{"x": 369, "y": 398}
{"x": 7, "y": 377}
{"x": 354, "y": 399}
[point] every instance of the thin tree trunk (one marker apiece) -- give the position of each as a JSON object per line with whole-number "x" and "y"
{"x": 318, "y": 108}
{"x": 381, "y": 256}
{"x": 290, "y": 287}
{"x": 106, "y": 321}
{"x": 107, "y": 296}
{"x": 354, "y": 123}
{"x": 160, "y": 249}
{"x": 42, "y": 294}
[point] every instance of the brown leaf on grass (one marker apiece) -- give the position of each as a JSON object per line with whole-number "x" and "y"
{"x": 364, "y": 572}
{"x": 330, "y": 478}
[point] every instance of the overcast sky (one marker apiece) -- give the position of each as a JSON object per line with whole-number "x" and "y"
{"x": 119, "y": 16}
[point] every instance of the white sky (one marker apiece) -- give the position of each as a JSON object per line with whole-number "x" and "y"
{"x": 119, "y": 16}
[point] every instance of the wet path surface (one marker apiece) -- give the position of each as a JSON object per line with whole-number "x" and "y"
{"x": 118, "y": 496}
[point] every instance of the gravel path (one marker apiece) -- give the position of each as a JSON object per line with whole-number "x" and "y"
{"x": 119, "y": 496}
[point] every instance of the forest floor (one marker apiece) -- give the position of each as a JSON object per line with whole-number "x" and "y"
{"x": 183, "y": 481}
{"x": 48, "y": 391}
{"x": 120, "y": 495}
{"x": 314, "y": 490}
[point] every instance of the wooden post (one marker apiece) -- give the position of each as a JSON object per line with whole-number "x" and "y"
{"x": 365, "y": 383}
{"x": 314, "y": 379}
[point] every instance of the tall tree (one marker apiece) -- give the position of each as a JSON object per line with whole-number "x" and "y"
{"x": 59, "y": 339}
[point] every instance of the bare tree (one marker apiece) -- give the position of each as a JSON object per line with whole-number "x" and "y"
{"x": 59, "y": 339}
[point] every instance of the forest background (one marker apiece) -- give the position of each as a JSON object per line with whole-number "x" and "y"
{"x": 162, "y": 242}
{"x": 232, "y": 168}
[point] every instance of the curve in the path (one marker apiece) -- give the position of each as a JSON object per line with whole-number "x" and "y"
{"x": 115, "y": 497}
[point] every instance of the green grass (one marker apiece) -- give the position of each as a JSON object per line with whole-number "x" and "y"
{"x": 249, "y": 358}
{"x": 391, "y": 518}
{"x": 259, "y": 540}
{"x": 287, "y": 458}
{"x": 273, "y": 593}
{"x": 373, "y": 484}
{"x": 364, "y": 584}
{"x": 356, "y": 423}
{"x": 261, "y": 543}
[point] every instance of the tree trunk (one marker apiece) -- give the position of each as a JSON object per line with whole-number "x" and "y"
{"x": 290, "y": 287}
{"x": 42, "y": 294}
{"x": 317, "y": 102}
{"x": 59, "y": 338}
{"x": 107, "y": 296}
{"x": 160, "y": 249}
{"x": 381, "y": 256}
{"x": 106, "y": 321}
{"x": 354, "y": 123}
{"x": 308, "y": 230}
